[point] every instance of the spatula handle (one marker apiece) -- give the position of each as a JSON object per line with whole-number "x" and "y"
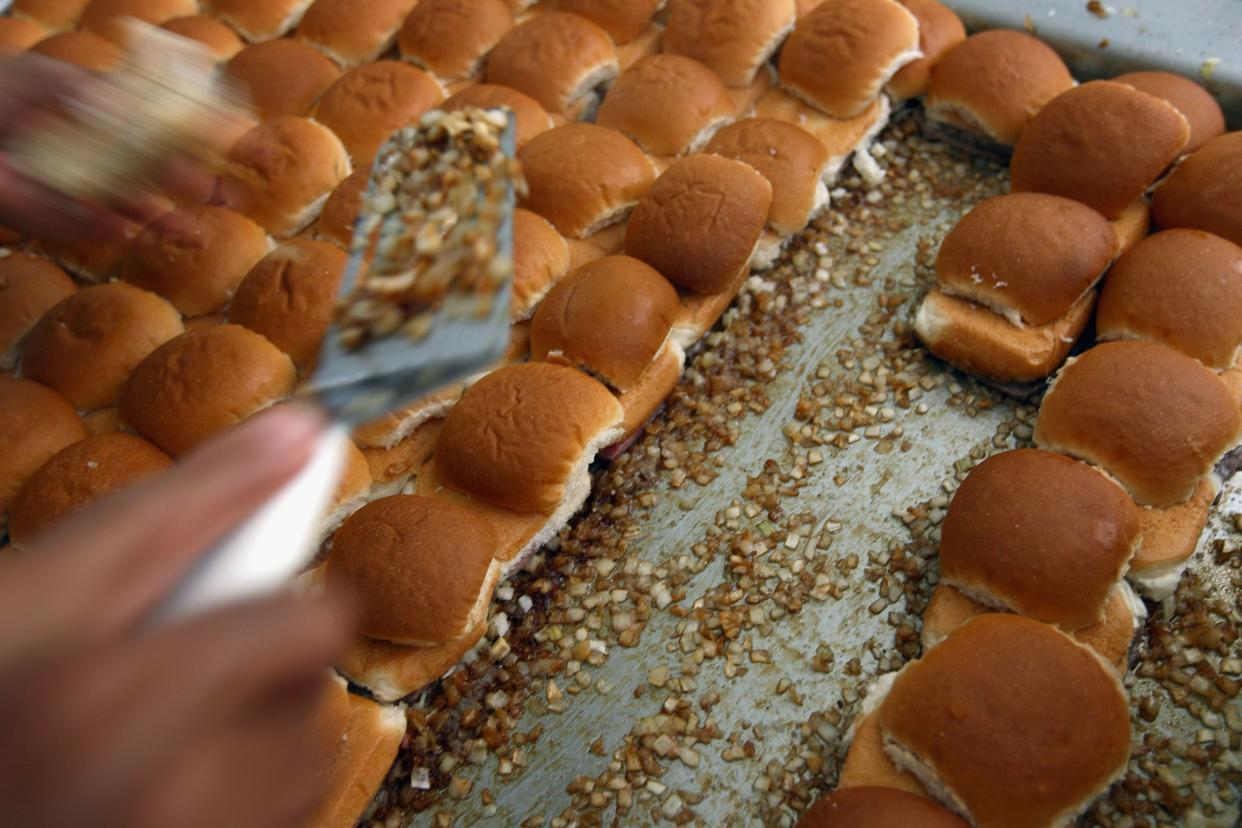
{"x": 272, "y": 545}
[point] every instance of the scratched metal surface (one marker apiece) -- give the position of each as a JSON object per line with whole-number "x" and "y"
{"x": 1201, "y": 39}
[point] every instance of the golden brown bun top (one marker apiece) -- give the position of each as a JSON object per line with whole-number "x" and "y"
{"x": 841, "y": 54}
{"x": 609, "y": 317}
{"x": 665, "y": 103}
{"x": 700, "y": 222}
{"x": 350, "y": 32}
{"x": 370, "y": 103}
{"x": 1014, "y": 718}
{"x": 1182, "y": 288}
{"x": 18, "y": 34}
{"x": 258, "y": 20}
{"x": 79, "y": 475}
{"x": 624, "y": 20}
{"x": 281, "y": 171}
{"x": 531, "y": 118}
{"x": 549, "y": 56}
{"x": 29, "y": 288}
{"x": 99, "y": 16}
{"x": 415, "y": 566}
{"x": 194, "y": 257}
{"x": 219, "y": 39}
{"x": 996, "y": 81}
{"x": 449, "y": 37}
{"x": 869, "y": 807}
{"x": 1044, "y": 535}
{"x": 340, "y": 211}
{"x": 1155, "y": 419}
{"x": 733, "y": 38}
{"x": 35, "y": 423}
{"x": 540, "y": 259}
{"x": 1203, "y": 191}
{"x": 1101, "y": 143}
{"x": 789, "y": 157}
{"x": 1026, "y": 254}
{"x": 579, "y": 175}
{"x": 290, "y": 297}
{"x": 81, "y": 48}
{"x": 283, "y": 76}
{"x": 203, "y": 382}
{"x": 516, "y": 436}
{"x": 940, "y": 29}
{"x": 1192, "y": 100}
{"x": 86, "y": 346}
{"x": 53, "y": 15}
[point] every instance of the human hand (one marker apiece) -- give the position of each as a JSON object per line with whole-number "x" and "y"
{"x": 208, "y": 722}
{"x": 35, "y": 87}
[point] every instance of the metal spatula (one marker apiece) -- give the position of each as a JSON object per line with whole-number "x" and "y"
{"x": 451, "y": 322}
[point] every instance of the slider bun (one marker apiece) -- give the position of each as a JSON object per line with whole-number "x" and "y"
{"x": 540, "y": 260}
{"x": 363, "y": 753}
{"x": 258, "y": 20}
{"x": 1153, "y": 418}
{"x": 282, "y": 76}
{"x": 1039, "y": 534}
{"x": 583, "y": 177}
{"x": 1203, "y": 191}
{"x": 518, "y": 436}
{"x": 1192, "y": 100}
{"x": 79, "y": 475}
{"x": 450, "y": 38}
{"x": 699, "y": 224}
{"x": 87, "y": 346}
{"x": 290, "y": 297}
{"x": 667, "y": 103}
{"x": 18, "y": 34}
{"x": 417, "y": 567}
{"x": 789, "y": 157}
{"x": 353, "y": 33}
{"x": 940, "y": 29}
{"x": 282, "y": 171}
{"x": 530, "y": 117}
{"x": 841, "y": 54}
{"x": 994, "y": 83}
{"x": 1011, "y": 720}
{"x": 100, "y": 16}
{"x": 35, "y": 423}
{"x": 370, "y": 103}
{"x": 341, "y": 209}
{"x": 53, "y": 15}
{"x": 29, "y": 288}
{"x": 1182, "y": 288}
{"x": 624, "y": 20}
{"x": 194, "y": 257}
{"x": 609, "y": 318}
{"x": 81, "y": 48}
{"x": 1027, "y": 256}
{"x": 558, "y": 59}
{"x": 733, "y": 38}
{"x": 219, "y": 39}
{"x": 872, "y": 807}
{"x": 96, "y": 257}
{"x": 981, "y": 342}
{"x": 1101, "y": 143}
{"x": 203, "y": 382}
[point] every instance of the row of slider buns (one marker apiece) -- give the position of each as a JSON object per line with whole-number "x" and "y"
{"x": 283, "y": 199}
{"x": 1129, "y": 435}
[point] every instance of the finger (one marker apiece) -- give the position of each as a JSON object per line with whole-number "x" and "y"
{"x": 261, "y": 772}
{"x": 109, "y": 565}
{"x": 38, "y": 211}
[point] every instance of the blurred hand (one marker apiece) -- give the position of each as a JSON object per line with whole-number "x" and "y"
{"x": 107, "y": 722}
{"x": 33, "y": 87}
